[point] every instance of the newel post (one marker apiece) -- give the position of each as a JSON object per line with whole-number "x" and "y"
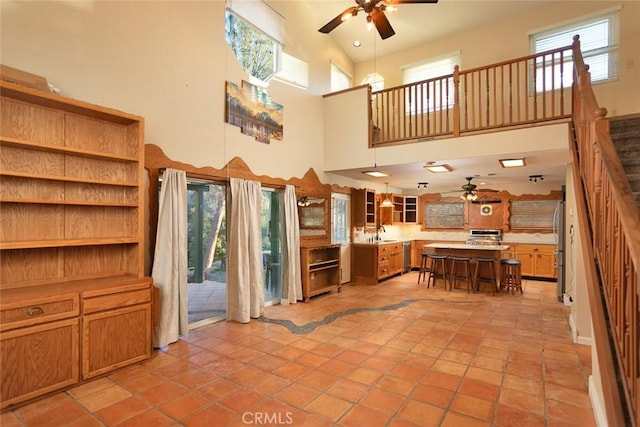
{"x": 456, "y": 101}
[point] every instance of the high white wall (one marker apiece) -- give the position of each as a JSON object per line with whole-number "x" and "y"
{"x": 509, "y": 39}
{"x": 168, "y": 62}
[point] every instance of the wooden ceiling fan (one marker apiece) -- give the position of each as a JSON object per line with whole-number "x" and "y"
{"x": 375, "y": 15}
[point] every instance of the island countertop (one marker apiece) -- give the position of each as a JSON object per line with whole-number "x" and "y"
{"x": 445, "y": 245}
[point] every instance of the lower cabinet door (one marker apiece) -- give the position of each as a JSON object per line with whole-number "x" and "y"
{"x": 42, "y": 359}
{"x": 115, "y": 338}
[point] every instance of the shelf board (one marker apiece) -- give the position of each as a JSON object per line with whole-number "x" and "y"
{"x": 70, "y": 202}
{"x": 321, "y": 265}
{"x": 22, "y": 143}
{"x": 67, "y": 179}
{"x": 43, "y": 244}
{"x": 51, "y": 100}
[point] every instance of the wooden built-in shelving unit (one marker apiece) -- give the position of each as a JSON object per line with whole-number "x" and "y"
{"x": 71, "y": 234}
{"x": 320, "y": 270}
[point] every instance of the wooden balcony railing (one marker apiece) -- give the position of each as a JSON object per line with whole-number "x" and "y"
{"x": 612, "y": 227}
{"x": 518, "y": 92}
{"x": 537, "y": 89}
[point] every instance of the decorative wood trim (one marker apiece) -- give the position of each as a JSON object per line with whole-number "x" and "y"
{"x": 502, "y": 203}
{"x": 309, "y": 185}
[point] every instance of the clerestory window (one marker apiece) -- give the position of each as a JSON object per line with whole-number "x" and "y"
{"x": 255, "y": 33}
{"x": 599, "y": 43}
{"x": 436, "y": 92}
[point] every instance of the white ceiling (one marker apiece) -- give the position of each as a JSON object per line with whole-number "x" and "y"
{"x": 413, "y": 23}
{"x": 487, "y": 173}
{"x": 418, "y": 23}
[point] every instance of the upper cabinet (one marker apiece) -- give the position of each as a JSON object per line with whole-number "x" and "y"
{"x": 404, "y": 210}
{"x": 364, "y": 208}
{"x": 411, "y": 210}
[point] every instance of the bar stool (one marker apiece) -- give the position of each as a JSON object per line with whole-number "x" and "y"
{"x": 456, "y": 263}
{"x": 438, "y": 262}
{"x": 492, "y": 278}
{"x": 424, "y": 267}
{"x": 510, "y": 275}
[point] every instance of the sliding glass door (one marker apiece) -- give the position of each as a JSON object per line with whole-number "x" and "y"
{"x": 207, "y": 242}
{"x": 271, "y": 220}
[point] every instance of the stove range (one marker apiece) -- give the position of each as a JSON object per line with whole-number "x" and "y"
{"x": 484, "y": 237}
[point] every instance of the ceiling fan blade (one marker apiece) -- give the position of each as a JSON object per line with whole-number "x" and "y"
{"x": 382, "y": 24}
{"x": 392, "y": 2}
{"x": 331, "y": 25}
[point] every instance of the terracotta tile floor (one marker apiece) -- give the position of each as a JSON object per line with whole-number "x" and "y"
{"x": 441, "y": 359}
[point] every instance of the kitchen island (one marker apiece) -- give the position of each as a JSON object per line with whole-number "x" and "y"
{"x": 471, "y": 251}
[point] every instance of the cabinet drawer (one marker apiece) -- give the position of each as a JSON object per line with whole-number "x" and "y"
{"x": 116, "y": 300}
{"x": 36, "y": 311}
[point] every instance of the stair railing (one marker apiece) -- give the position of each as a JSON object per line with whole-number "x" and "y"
{"x": 611, "y": 229}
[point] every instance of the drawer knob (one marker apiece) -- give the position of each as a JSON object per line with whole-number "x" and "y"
{"x": 35, "y": 311}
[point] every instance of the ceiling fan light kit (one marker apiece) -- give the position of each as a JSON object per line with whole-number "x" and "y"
{"x": 470, "y": 192}
{"x": 375, "y": 15}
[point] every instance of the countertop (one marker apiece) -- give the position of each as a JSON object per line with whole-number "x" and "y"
{"x": 383, "y": 242}
{"x": 444, "y": 245}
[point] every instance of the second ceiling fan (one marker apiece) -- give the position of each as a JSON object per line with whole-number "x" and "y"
{"x": 375, "y": 15}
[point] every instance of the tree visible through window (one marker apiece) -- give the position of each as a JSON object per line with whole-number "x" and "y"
{"x": 255, "y": 50}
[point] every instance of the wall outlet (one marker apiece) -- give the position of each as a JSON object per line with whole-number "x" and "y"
{"x": 567, "y": 300}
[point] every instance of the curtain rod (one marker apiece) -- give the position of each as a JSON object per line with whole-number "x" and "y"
{"x": 210, "y": 178}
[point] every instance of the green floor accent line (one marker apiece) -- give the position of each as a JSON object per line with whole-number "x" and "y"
{"x": 310, "y": 327}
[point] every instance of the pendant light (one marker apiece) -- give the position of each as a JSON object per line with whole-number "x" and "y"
{"x": 386, "y": 203}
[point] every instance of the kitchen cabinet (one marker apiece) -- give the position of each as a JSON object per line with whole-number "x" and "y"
{"x": 72, "y": 173}
{"x": 411, "y": 209}
{"x": 404, "y": 211}
{"x": 389, "y": 260}
{"x": 372, "y": 262}
{"x": 398, "y": 208}
{"x": 537, "y": 260}
{"x": 320, "y": 270}
{"x": 364, "y": 208}
{"x": 385, "y": 214}
{"x": 364, "y": 263}
{"x": 417, "y": 249}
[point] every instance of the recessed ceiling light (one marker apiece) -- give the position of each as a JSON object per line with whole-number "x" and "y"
{"x": 357, "y": 43}
{"x": 438, "y": 168}
{"x": 376, "y": 173}
{"x": 512, "y": 163}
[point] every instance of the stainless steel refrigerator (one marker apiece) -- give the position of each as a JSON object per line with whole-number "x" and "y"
{"x": 558, "y": 231}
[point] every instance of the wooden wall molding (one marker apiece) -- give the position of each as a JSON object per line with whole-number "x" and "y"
{"x": 155, "y": 161}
